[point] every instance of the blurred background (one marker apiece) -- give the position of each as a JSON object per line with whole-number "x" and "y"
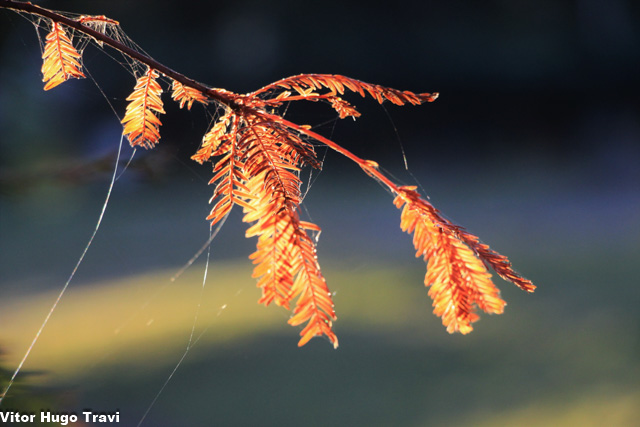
{"x": 533, "y": 145}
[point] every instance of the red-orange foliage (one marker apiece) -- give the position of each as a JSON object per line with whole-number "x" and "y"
{"x": 456, "y": 270}
{"x": 141, "y": 125}
{"x": 61, "y": 61}
{"x": 185, "y": 94}
{"x": 257, "y": 157}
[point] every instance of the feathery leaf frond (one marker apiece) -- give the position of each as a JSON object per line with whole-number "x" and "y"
{"x": 285, "y": 258}
{"x": 141, "y": 124}
{"x": 306, "y": 85}
{"x": 456, "y": 270}
{"x": 185, "y": 94}
{"x": 61, "y": 61}
{"x": 286, "y": 263}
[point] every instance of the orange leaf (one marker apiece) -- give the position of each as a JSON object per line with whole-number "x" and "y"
{"x": 307, "y": 84}
{"x": 61, "y": 61}
{"x": 285, "y": 256}
{"x": 458, "y": 279}
{"x": 185, "y": 94}
{"x": 141, "y": 125}
{"x": 343, "y": 108}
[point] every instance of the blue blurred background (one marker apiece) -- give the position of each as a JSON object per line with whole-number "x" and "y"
{"x": 533, "y": 145}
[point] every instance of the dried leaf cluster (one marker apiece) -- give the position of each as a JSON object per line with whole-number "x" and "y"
{"x": 257, "y": 158}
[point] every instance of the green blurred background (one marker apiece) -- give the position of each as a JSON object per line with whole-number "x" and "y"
{"x": 534, "y": 146}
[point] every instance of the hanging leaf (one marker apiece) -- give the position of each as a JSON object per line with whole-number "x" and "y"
{"x": 61, "y": 61}
{"x": 141, "y": 124}
{"x": 456, "y": 274}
